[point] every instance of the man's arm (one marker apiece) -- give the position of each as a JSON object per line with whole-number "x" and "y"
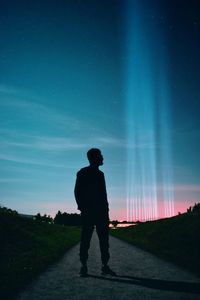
{"x": 78, "y": 191}
{"x": 105, "y": 191}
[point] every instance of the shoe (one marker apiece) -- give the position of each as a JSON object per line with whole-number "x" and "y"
{"x": 106, "y": 270}
{"x": 83, "y": 271}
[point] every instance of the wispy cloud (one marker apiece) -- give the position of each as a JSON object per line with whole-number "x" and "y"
{"x": 41, "y": 145}
{"x": 46, "y": 143}
{"x": 187, "y": 187}
{"x": 18, "y": 159}
{"x": 31, "y": 106}
{"x": 17, "y": 180}
{"x": 55, "y": 143}
{"x": 170, "y": 187}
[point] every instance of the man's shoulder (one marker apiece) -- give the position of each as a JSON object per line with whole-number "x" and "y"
{"x": 88, "y": 170}
{"x": 101, "y": 172}
{"x": 83, "y": 171}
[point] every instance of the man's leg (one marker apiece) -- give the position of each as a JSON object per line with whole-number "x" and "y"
{"x": 103, "y": 234}
{"x": 102, "y": 231}
{"x": 86, "y": 234}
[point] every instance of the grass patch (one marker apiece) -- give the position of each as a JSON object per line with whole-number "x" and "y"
{"x": 27, "y": 248}
{"x": 175, "y": 239}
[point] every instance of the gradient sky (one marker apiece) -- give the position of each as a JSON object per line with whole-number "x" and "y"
{"x": 63, "y": 90}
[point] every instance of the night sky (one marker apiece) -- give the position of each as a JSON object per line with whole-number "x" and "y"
{"x": 63, "y": 90}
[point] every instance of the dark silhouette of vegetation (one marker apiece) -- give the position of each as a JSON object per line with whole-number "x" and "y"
{"x": 195, "y": 210}
{"x": 176, "y": 239}
{"x": 60, "y": 219}
{"x": 27, "y": 247}
{"x": 7, "y": 211}
{"x": 115, "y": 223}
{"x": 67, "y": 219}
{"x": 44, "y": 218}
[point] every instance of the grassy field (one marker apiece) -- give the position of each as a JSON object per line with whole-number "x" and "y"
{"x": 27, "y": 248}
{"x": 175, "y": 239}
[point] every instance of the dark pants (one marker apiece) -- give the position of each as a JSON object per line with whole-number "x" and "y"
{"x": 101, "y": 221}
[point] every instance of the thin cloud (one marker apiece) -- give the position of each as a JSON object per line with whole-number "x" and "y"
{"x": 170, "y": 187}
{"x": 187, "y": 187}
{"x": 48, "y": 144}
{"x": 31, "y": 104}
{"x": 121, "y": 143}
{"x": 17, "y": 159}
{"x": 54, "y": 143}
{"x": 17, "y": 180}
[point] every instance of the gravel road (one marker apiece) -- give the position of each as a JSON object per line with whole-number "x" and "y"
{"x": 140, "y": 276}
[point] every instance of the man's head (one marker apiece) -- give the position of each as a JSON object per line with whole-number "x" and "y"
{"x": 95, "y": 157}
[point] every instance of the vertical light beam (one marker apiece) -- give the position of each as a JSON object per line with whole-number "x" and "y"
{"x": 148, "y": 115}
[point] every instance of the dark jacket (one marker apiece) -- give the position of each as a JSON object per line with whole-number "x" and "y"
{"x": 90, "y": 190}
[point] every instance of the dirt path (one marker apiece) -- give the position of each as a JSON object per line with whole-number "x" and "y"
{"x": 140, "y": 276}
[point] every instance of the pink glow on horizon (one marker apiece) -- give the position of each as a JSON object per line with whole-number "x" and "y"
{"x": 186, "y": 195}
{"x": 180, "y": 205}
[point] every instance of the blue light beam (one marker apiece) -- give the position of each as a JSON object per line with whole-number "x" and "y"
{"x": 148, "y": 116}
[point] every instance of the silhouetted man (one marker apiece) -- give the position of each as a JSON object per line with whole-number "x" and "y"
{"x": 91, "y": 197}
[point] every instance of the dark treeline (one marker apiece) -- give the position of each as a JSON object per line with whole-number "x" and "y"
{"x": 44, "y": 218}
{"x": 194, "y": 209}
{"x": 60, "y": 219}
{"x": 7, "y": 211}
{"x": 67, "y": 219}
{"x": 74, "y": 219}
